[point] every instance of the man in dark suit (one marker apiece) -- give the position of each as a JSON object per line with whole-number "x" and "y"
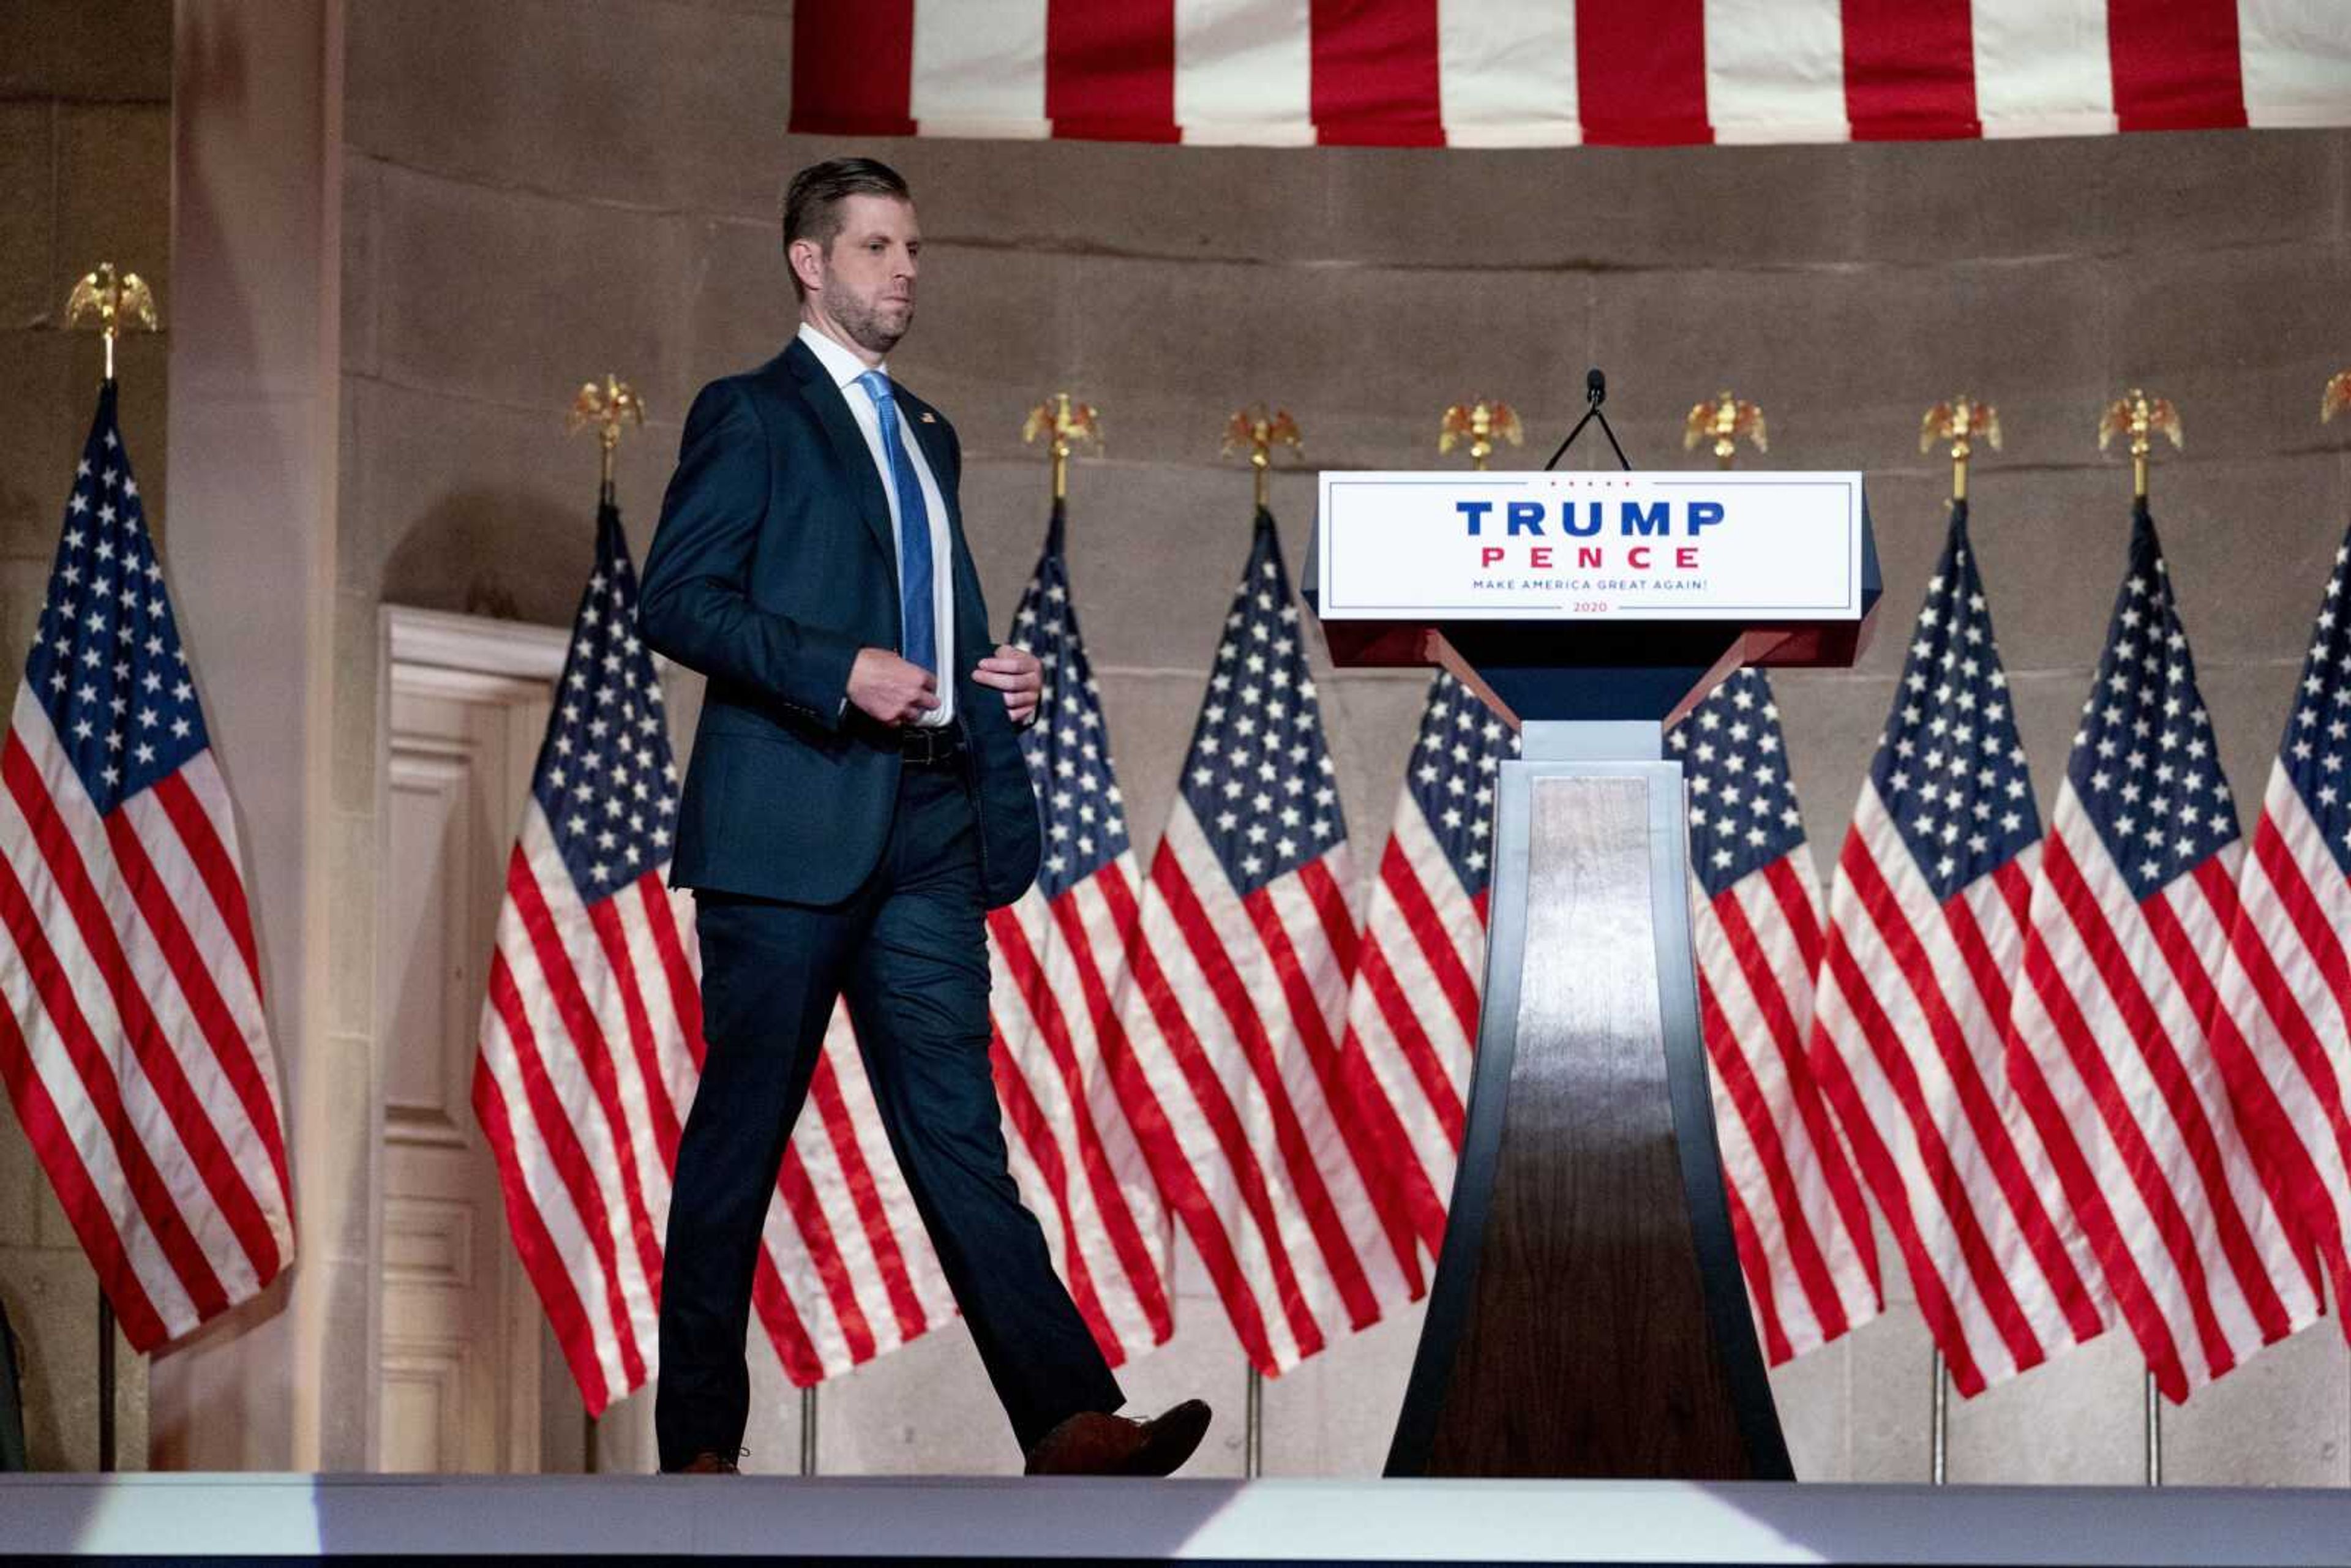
{"x": 856, "y": 802}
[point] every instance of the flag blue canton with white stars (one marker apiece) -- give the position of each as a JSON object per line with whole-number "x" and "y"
{"x": 606, "y": 778}
{"x": 1742, "y": 804}
{"x": 1452, "y": 773}
{"x": 106, "y": 664}
{"x": 2317, "y": 742}
{"x": 1067, "y": 749}
{"x": 1950, "y": 766}
{"x": 1259, "y": 777}
{"x": 2143, "y": 763}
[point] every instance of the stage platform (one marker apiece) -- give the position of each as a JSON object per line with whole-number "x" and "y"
{"x": 1273, "y": 1521}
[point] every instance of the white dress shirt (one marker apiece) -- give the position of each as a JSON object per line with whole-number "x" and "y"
{"x": 845, "y": 366}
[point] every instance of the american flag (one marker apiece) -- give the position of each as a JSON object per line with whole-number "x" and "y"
{"x": 1926, "y": 920}
{"x": 1236, "y": 1000}
{"x": 1411, "y": 1015}
{"x": 134, "y": 1043}
{"x": 2119, "y": 999}
{"x": 1059, "y": 955}
{"x": 2286, "y": 992}
{"x": 592, "y": 1044}
{"x": 1796, "y": 1212}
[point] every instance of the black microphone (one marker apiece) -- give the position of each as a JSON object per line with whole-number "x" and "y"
{"x": 1595, "y": 387}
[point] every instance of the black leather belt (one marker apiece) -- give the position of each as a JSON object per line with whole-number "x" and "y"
{"x": 929, "y": 747}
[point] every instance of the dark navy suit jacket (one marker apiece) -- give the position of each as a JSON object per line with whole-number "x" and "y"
{"x": 773, "y": 565}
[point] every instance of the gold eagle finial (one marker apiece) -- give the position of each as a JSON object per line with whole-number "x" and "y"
{"x": 2336, "y": 397}
{"x": 605, "y": 407}
{"x": 1963, "y": 421}
{"x": 1478, "y": 423}
{"x": 107, "y": 304}
{"x": 2141, "y": 418}
{"x": 1256, "y": 432}
{"x": 1724, "y": 420}
{"x": 1067, "y": 422}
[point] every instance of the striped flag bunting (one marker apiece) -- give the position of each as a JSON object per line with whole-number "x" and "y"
{"x": 2117, "y": 1007}
{"x": 133, "y": 1042}
{"x": 592, "y": 1044}
{"x": 1526, "y": 73}
{"x": 1059, "y": 955}
{"x": 1925, "y": 925}
{"x": 1235, "y": 1003}
{"x": 2285, "y": 992}
{"x": 1412, "y": 1014}
{"x": 1797, "y": 1211}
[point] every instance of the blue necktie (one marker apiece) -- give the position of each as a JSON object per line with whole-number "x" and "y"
{"x": 916, "y": 617}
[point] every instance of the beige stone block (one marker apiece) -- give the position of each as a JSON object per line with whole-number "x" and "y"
{"x": 2075, "y": 1420}
{"x": 1812, "y": 1394}
{"x": 2239, "y": 339}
{"x": 337, "y": 1204}
{"x": 1335, "y": 1414}
{"x": 21, "y": 1177}
{"x": 46, "y": 51}
{"x": 362, "y": 263}
{"x": 357, "y": 679}
{"x": 52, "y": 1299}
{"x": 1930, "y": 202}
{"x": 2283, "y": 1418}
{"x": 923, "y": 1409}
{"x": 354, "y": 855}
{"x": 114, "y": 190}
{"x": 39, "y": 441}
{"x": 516, "y": 298}
{"x": 29, "y": 165}
{"x": 471, "y": 506}
{"x": 678, "y": 107}
{"x": 1889, "y": 1415}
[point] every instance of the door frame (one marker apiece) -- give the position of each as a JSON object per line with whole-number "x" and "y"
{"x": 474, "y": 658}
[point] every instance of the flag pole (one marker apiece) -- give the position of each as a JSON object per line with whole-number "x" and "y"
{"x": 1939, "y": 1442}
{"x": 1255, "y": 431}
{"x": 1067, "y": 423}
{"x": 605, "y": 408}
{"x": 108, "y": 304}
{"x": 1477, "y": 424}
{"x": 2141, "y": 418}
{"x": 808, "y": 1430}
{"x": 1961, "y": 420}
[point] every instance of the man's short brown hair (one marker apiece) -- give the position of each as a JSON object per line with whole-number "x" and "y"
{"x": 812, "y": 200}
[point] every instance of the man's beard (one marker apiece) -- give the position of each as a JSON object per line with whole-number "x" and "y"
{"x": 865, "y": 321}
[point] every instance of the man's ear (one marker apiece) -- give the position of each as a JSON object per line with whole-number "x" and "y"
{"x": 806, "y": 259}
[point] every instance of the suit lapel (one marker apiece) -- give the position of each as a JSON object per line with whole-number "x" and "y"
{"x": 848, "y": 445}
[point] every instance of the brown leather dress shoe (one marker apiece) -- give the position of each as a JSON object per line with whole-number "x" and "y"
{"x": 707, "y": 1463}
{"x": 1093, "y": 1444}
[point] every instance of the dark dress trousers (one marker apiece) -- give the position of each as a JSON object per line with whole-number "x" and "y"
{"x": 826, "y": 864}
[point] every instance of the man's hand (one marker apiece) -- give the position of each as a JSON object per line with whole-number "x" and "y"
{"x": 1016, "y": 673}
{"x": 890, "y": 689}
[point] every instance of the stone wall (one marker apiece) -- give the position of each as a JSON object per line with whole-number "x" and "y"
{"x": 85, "y": 177}
{"x": 542, "y": 191}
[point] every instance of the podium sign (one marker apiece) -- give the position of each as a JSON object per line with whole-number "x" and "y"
{"x": 1591, "y": 546}
{"x": 1588, "y": 1317}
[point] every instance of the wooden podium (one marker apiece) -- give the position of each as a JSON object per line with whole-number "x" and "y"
{"x": 1588, "y": 1317}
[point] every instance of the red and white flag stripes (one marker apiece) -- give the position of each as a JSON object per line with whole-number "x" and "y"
{"x": 1510, "y": 73}
{"x": 2285, "y": 993}
{"x": 2119, "y": 1009}
{"x": 1230, "y": 1026}
{"x": 1803, "y": 1230}
{"x": 131, "y": 1038}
